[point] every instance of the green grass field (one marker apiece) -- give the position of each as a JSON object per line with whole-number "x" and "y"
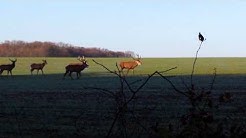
{"x": 204, "y": 65}
{"x": 54, "y": 70}
{"x": 48, "y": 106}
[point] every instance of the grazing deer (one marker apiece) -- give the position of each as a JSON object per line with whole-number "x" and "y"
{"x": 8, "y": 67}
{"x": 130, "y": 65}
{"x": 38, "y": 66}
{"x": 76, "y": 67}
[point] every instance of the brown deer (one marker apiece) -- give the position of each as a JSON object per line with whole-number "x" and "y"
{"x": 130, "y": 65}
{"x": 76, "y": 67}
{"x": 38, "y": 66}
{"x": 8, "y": 67}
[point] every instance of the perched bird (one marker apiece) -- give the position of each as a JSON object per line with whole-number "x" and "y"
{"x": 201, "y": 38}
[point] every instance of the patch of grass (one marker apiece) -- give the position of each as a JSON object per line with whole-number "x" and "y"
{"x": 204, "y": 65}
{"x": 47, "y": 105}
{"x": 96, "y": 75}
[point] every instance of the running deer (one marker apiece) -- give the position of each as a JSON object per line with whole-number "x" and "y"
{"x": 38, "y": 66}
{"x": 130, "y": 65}
{"x": 8, "y": 67}
{"x": 76, "y": 67}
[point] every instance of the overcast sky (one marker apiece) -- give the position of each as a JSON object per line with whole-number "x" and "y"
{"x": 151, "y": 28}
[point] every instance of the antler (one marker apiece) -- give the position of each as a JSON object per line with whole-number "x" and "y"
{"x": 138, "y": 57}
{"x": 82, "y": 59}
{"x": 13, "y": 60}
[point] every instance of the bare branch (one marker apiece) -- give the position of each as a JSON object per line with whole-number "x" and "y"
{"x": 168, "y": 70}
{"x": 194, "y": 63}
{"x": 174, "y": 87}
{"x": 105, "y": 91}
{"x": 213, "y": 80}
{"x": 110, "y": 71}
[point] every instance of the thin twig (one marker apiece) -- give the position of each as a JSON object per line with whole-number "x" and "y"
{"x": 168, "y": 70}
{"x": 149, "y": 76}
{"x": 105, "y": 91}
{"x": 113, "y": 123}
{"x": 211, "y": 88}
{"x": 129, "y": 86}
{"x": 186, "y": 86}
{"x": 213, "y": 80}
{"x": 174, "y": 87}
{"x": 113, "y": 72}
{"x": 194, "y": 63}
{"x": 136, "y": 81}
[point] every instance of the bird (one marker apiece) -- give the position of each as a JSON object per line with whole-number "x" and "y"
{"x": 201, "y": 38}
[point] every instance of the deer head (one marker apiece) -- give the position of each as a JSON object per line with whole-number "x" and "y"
{"x": 13, "y": 61}
{"x": 82, "y": 59}
{"x": 44, "y": 61}
{"x": 138, "y": 59}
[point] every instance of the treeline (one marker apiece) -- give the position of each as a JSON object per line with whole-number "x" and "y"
{"x": 50, "y": 49}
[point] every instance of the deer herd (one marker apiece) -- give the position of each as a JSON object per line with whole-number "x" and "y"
{"x": 72, "y": 67}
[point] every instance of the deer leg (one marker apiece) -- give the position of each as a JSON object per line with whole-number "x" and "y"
{"x": 77, "y": 75}
{"x": 37, "y": 71}
{"x": 65, "y": 74}
{"x": 122, "y": 72}
{"x": 127, "y": 71}
{"x": 42, "y": 72}
{"x": 10, "y": 72}
{"x": 31, "y": 71}
{"x": 1, "y": 71}
{"x": 70, "y": 74}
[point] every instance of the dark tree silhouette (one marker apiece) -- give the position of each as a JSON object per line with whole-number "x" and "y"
{"x": 50, "y": 49}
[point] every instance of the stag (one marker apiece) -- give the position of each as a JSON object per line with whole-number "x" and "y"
{"x": 8, "y": 67}
{"x": 38, "y": 66}
{"x": 76, "y": 67}
{"x": 130, "y": 65}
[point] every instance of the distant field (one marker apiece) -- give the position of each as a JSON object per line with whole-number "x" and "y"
{"x": 231, "y": 74}
{"x": 48, "y": 106}
{"x": 204, "y": 65}
{"x": 54, "y": 70}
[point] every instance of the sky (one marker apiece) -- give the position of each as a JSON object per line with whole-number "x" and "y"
{"x": 150, "y": 28}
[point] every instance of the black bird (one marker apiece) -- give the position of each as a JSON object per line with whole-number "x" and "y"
{"x": 201, "y": 38}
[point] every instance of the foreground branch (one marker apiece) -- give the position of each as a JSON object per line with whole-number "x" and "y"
{"x": 194, "y": 63}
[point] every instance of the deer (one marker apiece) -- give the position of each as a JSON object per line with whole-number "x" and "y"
{"x": 76, "y": 67}
{"x": 38, "y": 66}
{"x": 130, "y": 65}
{"x": 8, "y": 67}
